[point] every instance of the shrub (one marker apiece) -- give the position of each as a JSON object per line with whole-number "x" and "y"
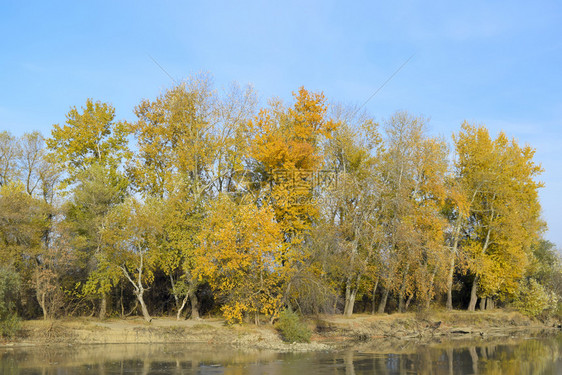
{"x": 533, "y": 299}
{"x": 9, "y": 289}
{"x": 292, "y": 328}
{"x": 10, "y": 326}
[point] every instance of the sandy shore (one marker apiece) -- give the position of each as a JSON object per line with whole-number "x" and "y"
{"x": 330, "y": 331}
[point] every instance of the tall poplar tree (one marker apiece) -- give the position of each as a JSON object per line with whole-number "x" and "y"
{"x": 190, "y": 142}
{"x": 91, "y": 148}
{"x": 503, "y": 216}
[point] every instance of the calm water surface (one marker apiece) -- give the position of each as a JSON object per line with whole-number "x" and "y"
{"x": 506, "y": 356}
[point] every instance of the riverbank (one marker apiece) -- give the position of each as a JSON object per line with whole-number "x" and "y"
{"x": 329, "y": 331}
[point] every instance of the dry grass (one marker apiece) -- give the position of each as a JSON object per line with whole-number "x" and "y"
{"x": 331, "y": 329}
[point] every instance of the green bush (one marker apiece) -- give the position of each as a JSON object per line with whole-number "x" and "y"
{"x": 9, "y": 289}
{"x": 558, "y": 311}
{"x": 10, "y": 326}
{"x": 292, "y": 328}
{"x": 533, "y": 299}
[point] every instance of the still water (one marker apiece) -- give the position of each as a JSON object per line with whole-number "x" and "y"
{"x": 506, "y": 356}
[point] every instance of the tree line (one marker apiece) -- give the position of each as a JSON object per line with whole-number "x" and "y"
{"x": 207, "y": 203}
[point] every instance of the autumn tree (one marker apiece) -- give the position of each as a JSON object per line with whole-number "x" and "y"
{"x": 25, "y": 159}
{"x": 286, "y": 148}
{"x": 240, "y": 255}
{"x": 499, "y": 177}
{"x": 89, "y": 136}
{"x": 286, "y": 156}
{"x": 21, "y": 225}
{"x": 190, "y": 134}
{"x": 413, "y": 171}
{"x": 190, "y": 143}
{"x": 130, "y": 241}
{"x": 352, "y": 205}
{"x": 182, "y": 224}
{"x": 9, "y": 151}
{"x": 91, "y": 148}
{"x": 23, "y": 221}
{"x": 95, "y": 194}
{"x": 28, "y": 180}
{"x": 37, "y": 173}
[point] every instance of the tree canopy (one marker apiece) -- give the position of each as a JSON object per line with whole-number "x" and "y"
{"x": 210, "y": 201}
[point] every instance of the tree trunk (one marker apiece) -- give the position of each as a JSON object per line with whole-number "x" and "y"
{"x": 382, "y": 305}
{"x": 194, "y": 303}
{"x": 473, "y": 296}
{"x": 350, "y": 295}
{"x": 490, "y": 303}
{"x": 483, "y": 303}
{"x": 103, "y": 306}
{"x": 121, "y": 302}
{"x": 429, "y": 291}
{"x": 450, "y": 283}
{"x": 44, "y": 307}
{"x": 350, "y": 303}
{"x": 347, "y": 295}
{"x": 174, "y": 292}
{"x": 452, "y": 264}
{"x": 408, "y": 301}
{"x": 401, "y": 302}
{"x": 145, "y": 313}
{"x": 42, "y": 303}
{"x": 139, "y": 289}
{"x": 374, "y": 293}
{"x": 402, "y": 292}
{"x": 180, "y": 309}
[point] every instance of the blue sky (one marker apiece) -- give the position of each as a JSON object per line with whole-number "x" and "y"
{"x": 497, "y": 63}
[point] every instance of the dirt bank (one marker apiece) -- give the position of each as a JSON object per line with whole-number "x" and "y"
{"x": 330, "y": 331}
{"x": 389, "y": 332}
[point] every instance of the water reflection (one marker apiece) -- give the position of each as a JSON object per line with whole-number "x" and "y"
{"x": 533, "y": 356}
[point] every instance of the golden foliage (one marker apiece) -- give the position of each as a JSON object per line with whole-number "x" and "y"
{"x": 241, "y": 257}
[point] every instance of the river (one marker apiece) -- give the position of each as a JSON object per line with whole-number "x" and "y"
{"x": 505, "y": 356}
